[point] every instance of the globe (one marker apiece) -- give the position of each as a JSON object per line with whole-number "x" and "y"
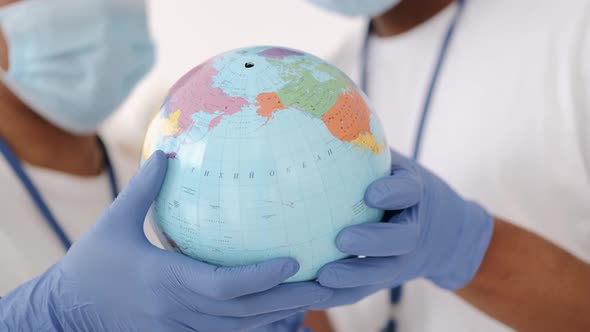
{"x": 270, "y": 153}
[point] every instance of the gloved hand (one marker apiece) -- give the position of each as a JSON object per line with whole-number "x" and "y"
{"x": 113, "y": 279}
{"x": 430, "y": 232}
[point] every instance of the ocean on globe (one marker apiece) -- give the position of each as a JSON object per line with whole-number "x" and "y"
{"x": 270, "y": 153}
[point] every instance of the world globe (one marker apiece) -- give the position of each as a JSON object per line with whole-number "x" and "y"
{"x": 270, "y": 153}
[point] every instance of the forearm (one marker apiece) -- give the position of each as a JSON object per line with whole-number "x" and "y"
{"x": 318, "y": 321}
{"x": 531, "y": 284}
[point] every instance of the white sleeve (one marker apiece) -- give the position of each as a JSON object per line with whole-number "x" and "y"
{"x": 11, "y": 261}
{"x": 581, "y": 92}
{"x": 347, "y": 56}
{"x": 582, "y": 87}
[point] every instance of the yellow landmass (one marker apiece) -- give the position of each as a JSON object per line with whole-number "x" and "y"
{"x": 368, "y": 141}
{"x": 169, "y": 126}
{"x": 159, "y": 127}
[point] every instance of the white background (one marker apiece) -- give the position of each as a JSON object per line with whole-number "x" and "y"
{"x": 187, "y": 32}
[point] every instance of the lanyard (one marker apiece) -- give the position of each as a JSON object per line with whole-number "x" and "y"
{"x": 395, "y": 293}
{"x": 26, "y": 181}
{"x": 434, "y": 77}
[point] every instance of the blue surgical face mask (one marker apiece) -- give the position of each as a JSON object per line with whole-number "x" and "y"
{"x": 368, "y": 8}
{"x": 75, "y": 61}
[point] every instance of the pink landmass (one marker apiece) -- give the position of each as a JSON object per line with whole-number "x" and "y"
{"x": 215, "y": 121}
{"x": 278, "y": 53}
{"x": 194, "y": 92}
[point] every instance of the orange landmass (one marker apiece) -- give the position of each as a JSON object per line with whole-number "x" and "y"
{"x": 268, "y": 104}
{"x": 349, "y": 121}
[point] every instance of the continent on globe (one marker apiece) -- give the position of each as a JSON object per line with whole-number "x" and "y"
{"x": 279, "y": 52}
{"x": 195, "y": 93}
{"x": 270, "y": 152}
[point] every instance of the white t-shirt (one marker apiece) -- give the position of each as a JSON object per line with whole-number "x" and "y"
{"x": 28, "y": 246}
{"x": 509, "y": 127}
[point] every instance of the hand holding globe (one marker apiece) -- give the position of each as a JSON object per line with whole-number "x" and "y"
{"x": 270, "y": 153}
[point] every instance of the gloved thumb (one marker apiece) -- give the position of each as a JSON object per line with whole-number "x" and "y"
{"x": 401, "y": 190}
{"x": 131, "y": 206}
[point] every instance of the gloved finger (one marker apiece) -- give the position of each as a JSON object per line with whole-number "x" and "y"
{"x": 401, "y": 190}
{"x": 397, "y": 237}
{"x": 357, "y": 272}
{"x": 282, "y": 297}
{"x": 201, "y": 322}
{"x": 346, "y": 296}
{"x": 133, "y": 203}
{"x": 223, "y": 283}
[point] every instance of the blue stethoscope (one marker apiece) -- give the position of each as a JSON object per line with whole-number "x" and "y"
{"x": 395, "y": 294}
{"x": 26, "y": 181}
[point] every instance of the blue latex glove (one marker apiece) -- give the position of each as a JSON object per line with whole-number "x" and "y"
{"x": 113, "y": 279}
{"x": 429, "y": 232}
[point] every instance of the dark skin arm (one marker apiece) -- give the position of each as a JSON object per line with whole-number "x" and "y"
{"x": 525, "y": 282}
{"x": 530, "y": 284}
{"x": 318, "y": 321}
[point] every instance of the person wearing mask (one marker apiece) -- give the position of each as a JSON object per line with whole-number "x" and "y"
{"x": 66, "y": 66}
{"x": 114, "y": 279}
{"x": 493, "y": 96}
